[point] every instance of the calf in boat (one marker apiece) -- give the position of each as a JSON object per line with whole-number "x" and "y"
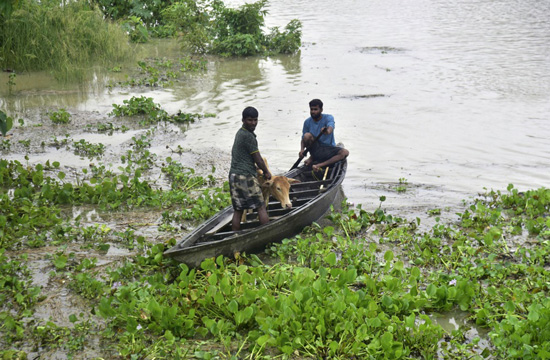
{"x": 278, "y": 187}
{"x": 311, "y": 198}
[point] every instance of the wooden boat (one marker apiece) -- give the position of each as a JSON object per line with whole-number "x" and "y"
{"x": 311, "y": 198}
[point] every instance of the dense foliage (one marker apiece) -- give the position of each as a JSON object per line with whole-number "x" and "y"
{"x": 205, "y": 25}
{"x": 239, "y": 32}
{"x": 67, "y": 36}
{"x": 366, "y": 285}
{"x": 49, "y": 35}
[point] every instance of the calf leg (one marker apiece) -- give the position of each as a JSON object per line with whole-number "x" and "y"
{"x": 245, "y": 213}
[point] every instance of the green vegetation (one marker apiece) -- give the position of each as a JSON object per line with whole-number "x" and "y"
{"x": 402, "y": 187}
{"x": 69, "y": 36}
{"x": 163, "y": 72}
{"x": 206, "y": 26}
{"x": 60, "y": 117}
{"x": 151, "y": 112}
{"x": 11, "y": 82}
{"x": 366, "y": 285}
{"x": 84, "y": 148}
{"x": 238, "y": 32}
{"x": 6, "y": 123}
{"x": 59, "y": 36}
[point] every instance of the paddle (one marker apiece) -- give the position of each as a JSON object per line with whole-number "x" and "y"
{"x": 307, "y": 150}
{"x": 322, "y": 188}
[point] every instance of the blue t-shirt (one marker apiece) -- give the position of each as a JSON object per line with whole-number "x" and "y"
{"x": 314, "y": 127}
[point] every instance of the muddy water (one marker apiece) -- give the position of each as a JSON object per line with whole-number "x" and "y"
{"x": 451, "y": 97}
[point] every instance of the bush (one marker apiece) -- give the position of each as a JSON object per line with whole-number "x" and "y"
{"x": 217, "y": 29}
{"x": 287, "y": 42}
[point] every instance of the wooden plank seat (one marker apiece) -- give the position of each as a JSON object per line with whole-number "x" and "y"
{"x": 309, "y": 185}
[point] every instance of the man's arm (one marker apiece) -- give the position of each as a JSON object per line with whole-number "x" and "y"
{"x": 302, "y": 147}
{"x": 328, "y": 130}
{"x": 261, "y": 164}
{"x": 329, "y": 124}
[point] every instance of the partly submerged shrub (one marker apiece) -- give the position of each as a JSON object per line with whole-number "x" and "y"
{"x": 217, "y": 29}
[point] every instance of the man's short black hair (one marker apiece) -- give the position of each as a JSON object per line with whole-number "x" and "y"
{"x": 250, "y": 112}
{"x": 316, "y": 102}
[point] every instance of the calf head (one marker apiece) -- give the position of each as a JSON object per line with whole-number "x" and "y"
{"x": 278, "y": 187}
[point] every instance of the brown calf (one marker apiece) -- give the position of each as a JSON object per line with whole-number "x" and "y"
{"x": 277, "y": 186}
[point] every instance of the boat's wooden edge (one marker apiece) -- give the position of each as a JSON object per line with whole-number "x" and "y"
{"x": 213, "y": 224}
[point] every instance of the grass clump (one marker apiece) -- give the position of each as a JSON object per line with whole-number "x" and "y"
{"x": 62, "y": 37}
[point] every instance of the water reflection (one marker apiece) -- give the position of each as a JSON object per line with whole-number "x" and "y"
{"x": 290, "y": 63}
{"x": 456, "y": 320}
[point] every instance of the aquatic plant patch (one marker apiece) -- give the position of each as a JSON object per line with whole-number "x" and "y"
{"x": 82, "y": 147}
{"x": 60, "y": 117}
{"x": 161, "y": 72}
{"x": 362, "y": 286}
{"x": 139, "y": 106}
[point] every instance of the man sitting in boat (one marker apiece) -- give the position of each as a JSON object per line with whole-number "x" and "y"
{"x": 245, "y": 189}
{"x": 318, "y": 138}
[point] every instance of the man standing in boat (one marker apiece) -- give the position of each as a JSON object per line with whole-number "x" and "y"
{"x": 318, "y": 138}
{"x": 245, "y": 189}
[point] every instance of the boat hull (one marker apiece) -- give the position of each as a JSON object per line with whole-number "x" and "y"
{"x": 196, "y": 247}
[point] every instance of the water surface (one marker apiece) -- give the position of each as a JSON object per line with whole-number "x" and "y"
{"x": 449, "y": 96}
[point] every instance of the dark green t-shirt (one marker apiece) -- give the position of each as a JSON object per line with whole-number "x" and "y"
{"x": 244, "y": 146}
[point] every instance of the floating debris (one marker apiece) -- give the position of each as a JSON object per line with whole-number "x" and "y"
{"x": 366, "y": 96}
{"x": 380, "y": 49}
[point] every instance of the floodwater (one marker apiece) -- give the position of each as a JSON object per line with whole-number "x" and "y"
{"x": 451, "y": 97}
{"x": 448, "y": 97}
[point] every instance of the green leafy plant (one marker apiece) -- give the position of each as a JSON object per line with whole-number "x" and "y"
{"x": 364, "y": 284}
{"x": 215, "y": 28}
{"x": 402, "y": 187}
{"x": 11, "y": 82}
{"x": 82, "y": 147}
{"x": 6, "y": 123}
{"x": 5, "y": 145}
{"x": 137, "y": 106}
{"x": 136, "y": 29}
{"x": 60, "y": 117}
{"x": 286, "y": 42}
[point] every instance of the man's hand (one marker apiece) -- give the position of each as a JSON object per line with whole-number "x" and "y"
{"x": 323, "y": 130}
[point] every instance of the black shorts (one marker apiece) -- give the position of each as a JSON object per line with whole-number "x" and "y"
{"x": 321, "y": 153}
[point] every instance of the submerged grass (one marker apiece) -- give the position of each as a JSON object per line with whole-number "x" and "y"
{"x": 65, "y": 37}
